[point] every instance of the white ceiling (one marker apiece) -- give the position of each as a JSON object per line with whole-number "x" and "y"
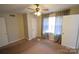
{"x": 22, "y": 8}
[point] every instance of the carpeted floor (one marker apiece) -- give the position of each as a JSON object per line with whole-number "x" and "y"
{"x": 35, "y": 47}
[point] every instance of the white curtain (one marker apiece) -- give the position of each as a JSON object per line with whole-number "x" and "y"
{"x": 58, "y": 25}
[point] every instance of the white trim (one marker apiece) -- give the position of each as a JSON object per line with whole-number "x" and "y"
{"x": 12, "y": 42}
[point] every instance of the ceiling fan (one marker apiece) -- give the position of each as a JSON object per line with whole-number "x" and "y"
{"x": 37, "y": 11}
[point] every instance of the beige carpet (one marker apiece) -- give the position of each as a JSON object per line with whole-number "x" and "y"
{"x": 35, "y": 47}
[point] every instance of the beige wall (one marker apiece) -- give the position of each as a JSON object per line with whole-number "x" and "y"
{"x": 74, "y": 10}
{"x": 21, "y": 25}
{"x": 39, "y": 26}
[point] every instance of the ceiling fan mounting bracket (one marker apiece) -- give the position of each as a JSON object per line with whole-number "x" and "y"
{"x": 37, "y": 9}
{"x": 37, "y": 5}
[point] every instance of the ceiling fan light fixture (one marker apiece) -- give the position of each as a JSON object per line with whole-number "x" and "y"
{"x": 37, "y": 10}
{"x": 37, "y": 13}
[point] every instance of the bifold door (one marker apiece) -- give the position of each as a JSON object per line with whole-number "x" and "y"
{"x": 3, "y": 33}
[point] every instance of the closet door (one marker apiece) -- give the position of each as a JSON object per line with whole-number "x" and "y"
{"x": 12, "y": 28}
{"x": 70, "y": 30}
{"x": 3, "y": 33}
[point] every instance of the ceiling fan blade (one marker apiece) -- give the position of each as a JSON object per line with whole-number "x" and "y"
{"x": 30, "y": 8}
{"x": 45, "y": 9}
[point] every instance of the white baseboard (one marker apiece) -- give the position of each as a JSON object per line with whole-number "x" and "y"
{"x": 15, "y": 40}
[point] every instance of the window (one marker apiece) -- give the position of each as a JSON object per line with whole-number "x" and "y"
{"x": 58, "y": 25}
{"x": 49, "y": 25}
{"x": 45, "y": 25}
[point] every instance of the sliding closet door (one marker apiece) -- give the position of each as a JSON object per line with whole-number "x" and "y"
{"x": 12, "y": 27}
{"x": 3, "y": 33}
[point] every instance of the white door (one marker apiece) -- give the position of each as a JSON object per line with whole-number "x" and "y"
{"x": 12, "y": 28}
{"x": 3, "y": 33}
{"x": 32, "y": 26}
{"x": 70, "y": 30}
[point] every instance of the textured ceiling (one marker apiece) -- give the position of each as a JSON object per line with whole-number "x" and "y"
{"x": 23, "y": 8}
